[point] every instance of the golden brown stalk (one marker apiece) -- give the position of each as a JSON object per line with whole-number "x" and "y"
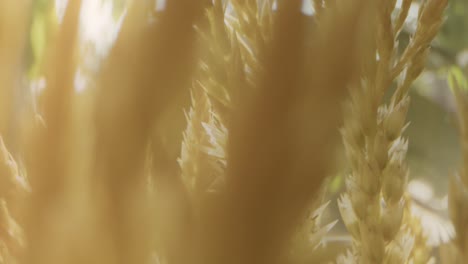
{"x": 399, "y": 23}
{"x": 147, "y": 66}
{"x": 458, "y": 188}
{"x": 86, "y": 242}
{"x": 13, "y": 25}
{"x": 48, "y": 152}
{"x": 373, "y": 207}
{"x": 449, "y": 254}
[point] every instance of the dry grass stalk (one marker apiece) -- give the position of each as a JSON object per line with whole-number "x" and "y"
{"x": 458, "y": 188}
{"x": 14, "y": 186}
{"x": 373, "y": 207}
{"x": 48, "y": 150}
{"x": 146, "y": 68}
{"x": 107, "y": 206}
{"x": 14, "y": 17}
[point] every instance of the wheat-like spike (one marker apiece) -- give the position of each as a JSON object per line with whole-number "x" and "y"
{"x": 203, "y": 158}
{"x": 192, "y": 159}
{"x": 14, "y": 188}
{"x": 256, "y": 29}
{"x": 219, "y": 83}
{"x": 311, "y": 231}
{"x": 404, "y": 10}
{"x": 421, "y": 252}
{"x": 220, "y": 78}
{"x": 373, "y": 140}
{"x": 220, "y": 70}
{"x": 412, "y": 72}
{"x": 430, "y": 19}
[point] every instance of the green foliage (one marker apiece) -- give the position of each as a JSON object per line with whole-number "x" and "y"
{"x": 453, "y": 35}
{"x": 457, "y": 79}
{"x": 43, "y": 20}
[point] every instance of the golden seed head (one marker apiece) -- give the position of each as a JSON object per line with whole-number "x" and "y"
{"x": 373, "y": 249}
{"x": 394, "y": 181}
{"x": 392, "y": 216}
{"x": 381, "y": 149}
{"x": 349, "y": 217}
{"x": 396, "y": 119}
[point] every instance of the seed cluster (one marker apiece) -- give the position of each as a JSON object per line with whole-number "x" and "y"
{"x": 374, "y": 206}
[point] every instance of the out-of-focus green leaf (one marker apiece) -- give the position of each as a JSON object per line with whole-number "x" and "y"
{"x": 335, "y": 184}
{"x": 453, "y": 37}
{"x": 44, "y": 19}
{"x": 118, "y": 8}
{"x": 38, "y": 37}
{"x": 456, "y": 79}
